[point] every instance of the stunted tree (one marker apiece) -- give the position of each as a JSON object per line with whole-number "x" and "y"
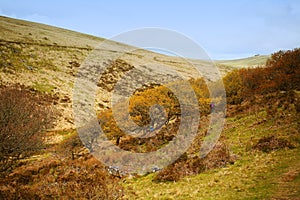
{"x": 23, "y": 117}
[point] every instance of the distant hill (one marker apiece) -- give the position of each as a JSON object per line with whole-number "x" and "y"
{"x": 254, "y": 61}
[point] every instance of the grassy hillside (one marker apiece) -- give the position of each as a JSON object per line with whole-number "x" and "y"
{"x": 266, "y": 151}
{"x": 29, "y": 32}
{"x": 255, "y": 175}
{"x": 256, "y": 157}
{"x": 47, "y": 58}
{"x": 259, "y": 60}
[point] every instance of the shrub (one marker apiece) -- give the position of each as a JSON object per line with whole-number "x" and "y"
{"x": 23, "y": 117}
{"x": 285, "y": 66}
{"x": 282, "y": 73}
{"x": 185, "y": 166}
{"x": 233, "y": 86}
{"x": 61, "y": 179}
{"x": 271, "y": 143}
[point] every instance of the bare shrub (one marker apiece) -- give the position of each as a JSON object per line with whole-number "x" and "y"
{"x": 23, "y": 118}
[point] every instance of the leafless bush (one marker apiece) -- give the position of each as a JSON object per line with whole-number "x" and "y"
{"x": 23, "y": 117}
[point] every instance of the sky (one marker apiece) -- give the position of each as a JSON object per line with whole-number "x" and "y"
{"x": 224, "y": 29}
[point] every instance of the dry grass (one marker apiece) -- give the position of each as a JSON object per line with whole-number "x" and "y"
{"x": 58, "y": 174}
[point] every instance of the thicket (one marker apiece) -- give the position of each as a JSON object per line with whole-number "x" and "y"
{"x": 281, "y": 73}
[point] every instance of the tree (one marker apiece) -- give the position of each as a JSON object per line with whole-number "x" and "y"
{"x": 234, "y": 87}
{"x": 285, "y": 69}
{"x": 23, "y": 117}
{"x": 281, "y": 73}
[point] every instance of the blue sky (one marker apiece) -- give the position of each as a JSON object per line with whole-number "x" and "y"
{"x": 225, "y": 29}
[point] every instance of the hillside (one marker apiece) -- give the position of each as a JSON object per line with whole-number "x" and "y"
{"x": 46, "y": 59}
{"x": 256, "y": 156}
{"x": 258, "y": 60}
{"x": 255, "y": 175}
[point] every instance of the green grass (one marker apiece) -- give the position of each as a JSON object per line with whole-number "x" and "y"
{"x": 255, "y": 175}
{"x": 43, "y": 87}
{"x": 65, "y": 132}
{"x": 252, "y": 177}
